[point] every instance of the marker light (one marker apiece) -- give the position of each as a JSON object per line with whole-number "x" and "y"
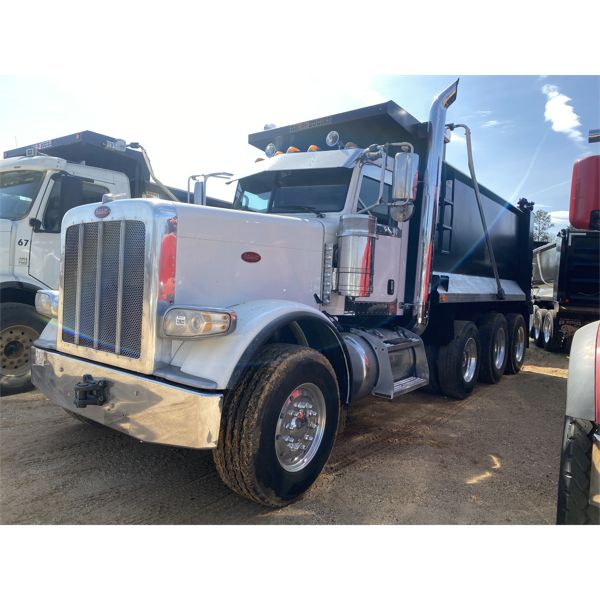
{"x": 350, "y": 145}
{"x": 270, "y": 150}
{"x": 278, "y": 153}
{"x": 259, "y": 159}
{"x": 168, "y": 263}
{"x": 332, "y": 139}
{"x": 292, "y": 149}
{"x": 46, "y": 303}
{"x": 313, "y": 148}
{"x": 191, "y": 322}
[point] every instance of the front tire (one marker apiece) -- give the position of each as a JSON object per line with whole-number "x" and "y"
{"x": 458, "y": 363}
{"x": 573, "y": 506}
{"x": 278, "y": 425}
{"x": 20, "y": 326}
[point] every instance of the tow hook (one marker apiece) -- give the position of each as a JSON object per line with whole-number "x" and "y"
{"x": 89, "y": 391}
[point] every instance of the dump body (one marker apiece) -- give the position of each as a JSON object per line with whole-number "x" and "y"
{"x": 566, "y": 272}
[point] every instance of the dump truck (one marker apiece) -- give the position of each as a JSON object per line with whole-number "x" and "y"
{"x": 39, "y": 183}
{"x": 357, "y": 263}
{"x": 566, "y": 271}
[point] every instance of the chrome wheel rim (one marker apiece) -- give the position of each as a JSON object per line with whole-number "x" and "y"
{"x": 300, "y": 427}
{"x": 520, "y": 345}
{"x": 546, "y": 327}
{"x": 15, "y": 345}
{"x": 499, "y": 348}
{"x": 469, "y": 361}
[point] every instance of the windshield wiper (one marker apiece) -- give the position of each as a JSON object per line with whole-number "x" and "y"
{"x": 298, "y": 208}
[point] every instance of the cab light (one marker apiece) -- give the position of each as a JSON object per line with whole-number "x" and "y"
{"x": 292, "y": 149}
{"x": 271, "y": 150}
{"x": 313, "y": 148}
{"x": 278, "y": 153}
{"x": 46, "y": 303}
{"x": 332, "y": 139}
{"x": 183, "y": 323}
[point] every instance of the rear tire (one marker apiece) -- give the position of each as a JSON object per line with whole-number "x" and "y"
{"x": 254, "y": 456}
{"x": 493, "y": 332}
{"x": 459, "y": 362}
{"x": 551, "y": 334}
{"x": 516, "y": 343}
{"x": 573, "y": 506}
{"x": 20, "y": 326}
{"x": 538, "y": 320}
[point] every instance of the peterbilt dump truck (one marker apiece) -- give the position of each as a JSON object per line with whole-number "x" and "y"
{"x": 361, "y": 269}
{"x": 38, "y": 185}
{"x": 566, "y": 271}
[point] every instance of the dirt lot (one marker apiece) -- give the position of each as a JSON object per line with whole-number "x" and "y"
{"x": 492, "y": 458}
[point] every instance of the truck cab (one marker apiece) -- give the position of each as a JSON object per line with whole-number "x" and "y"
{"x": 38, "y": 185}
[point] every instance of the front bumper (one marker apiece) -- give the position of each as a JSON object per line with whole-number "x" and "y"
{"x": 146, "y": 409}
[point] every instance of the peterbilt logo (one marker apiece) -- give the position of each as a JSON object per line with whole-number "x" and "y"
{"x": 102, "y": 211}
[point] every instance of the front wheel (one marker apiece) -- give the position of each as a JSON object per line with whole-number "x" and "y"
{"x": 551, "y": 334}
{"x": 20, "y": 326}
{"x": 278, "y": 425}
{"x": 575, "y": 477}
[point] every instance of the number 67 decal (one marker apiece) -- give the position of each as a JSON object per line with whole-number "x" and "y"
{"x": 22, "y": 242}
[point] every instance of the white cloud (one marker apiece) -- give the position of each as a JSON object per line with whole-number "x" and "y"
{"x": 457, "y": 137}
{"x": 560, "y": 218}
{"x": 492, "y": 123}
{"x": 562, "y": 116}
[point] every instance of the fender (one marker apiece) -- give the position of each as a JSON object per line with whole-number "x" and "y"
{"x": 583, "y": 399}
{"x": 222, "y": 359}
{"x": 18, "y": 291}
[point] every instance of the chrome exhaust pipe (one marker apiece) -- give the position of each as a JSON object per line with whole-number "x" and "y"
{"x": 431, "y": 189}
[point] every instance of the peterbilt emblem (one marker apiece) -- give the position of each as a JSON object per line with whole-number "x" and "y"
{"x": 102, "y": 211}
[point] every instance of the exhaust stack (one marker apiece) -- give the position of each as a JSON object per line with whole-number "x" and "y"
{"x": 431, "y": 187}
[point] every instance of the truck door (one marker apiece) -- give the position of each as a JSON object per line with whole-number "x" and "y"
{"x": 67, "y": 192}
{"x": 390, "y": 252}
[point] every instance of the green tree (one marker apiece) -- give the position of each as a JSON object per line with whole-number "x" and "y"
{"x": 542, "y": 222}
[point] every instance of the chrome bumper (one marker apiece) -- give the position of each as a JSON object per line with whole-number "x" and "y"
{"x": 148, "y": 410}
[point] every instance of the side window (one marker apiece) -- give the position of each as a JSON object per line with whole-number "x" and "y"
{"x": 66, "y": 193}
{"x": 369, "y": 192}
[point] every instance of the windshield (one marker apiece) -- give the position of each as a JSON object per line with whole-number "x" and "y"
{"x": 307, "y": 190}
{"x": 18, "y": 190}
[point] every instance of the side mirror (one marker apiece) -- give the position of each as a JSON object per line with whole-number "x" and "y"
{"x": 405, "y": 176}
{"x": 199, "y": 197}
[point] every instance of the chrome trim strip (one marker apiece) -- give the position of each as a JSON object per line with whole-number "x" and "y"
{"x": 142, "y": 407}
{"x": 120, "y": 289}
{"x": 98, "y": 283}
{"x": 78, "y": 293}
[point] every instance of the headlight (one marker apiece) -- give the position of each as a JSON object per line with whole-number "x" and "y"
{"x": 195, "y": 322}
{"x": 46, "y": 303}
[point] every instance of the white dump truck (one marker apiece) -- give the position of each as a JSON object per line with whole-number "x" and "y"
{"x": 38, "y": 185}
{"x": 357, "y": 263}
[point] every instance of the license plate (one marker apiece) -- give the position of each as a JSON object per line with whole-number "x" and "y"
{"x": 39, "y": 357}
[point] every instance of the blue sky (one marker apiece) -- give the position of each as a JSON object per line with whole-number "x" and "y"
{"x": 516, "y": 150}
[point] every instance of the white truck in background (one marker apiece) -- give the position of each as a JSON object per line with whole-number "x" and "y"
{"x": 38, "y": 185}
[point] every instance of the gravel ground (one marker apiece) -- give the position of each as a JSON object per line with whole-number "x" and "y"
{"x": 492, "y": 458}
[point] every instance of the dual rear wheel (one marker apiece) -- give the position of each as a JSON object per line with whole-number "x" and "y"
{"x": 479, "y": 352}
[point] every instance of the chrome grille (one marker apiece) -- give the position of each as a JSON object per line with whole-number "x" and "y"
{"x": 103, "y": 286}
